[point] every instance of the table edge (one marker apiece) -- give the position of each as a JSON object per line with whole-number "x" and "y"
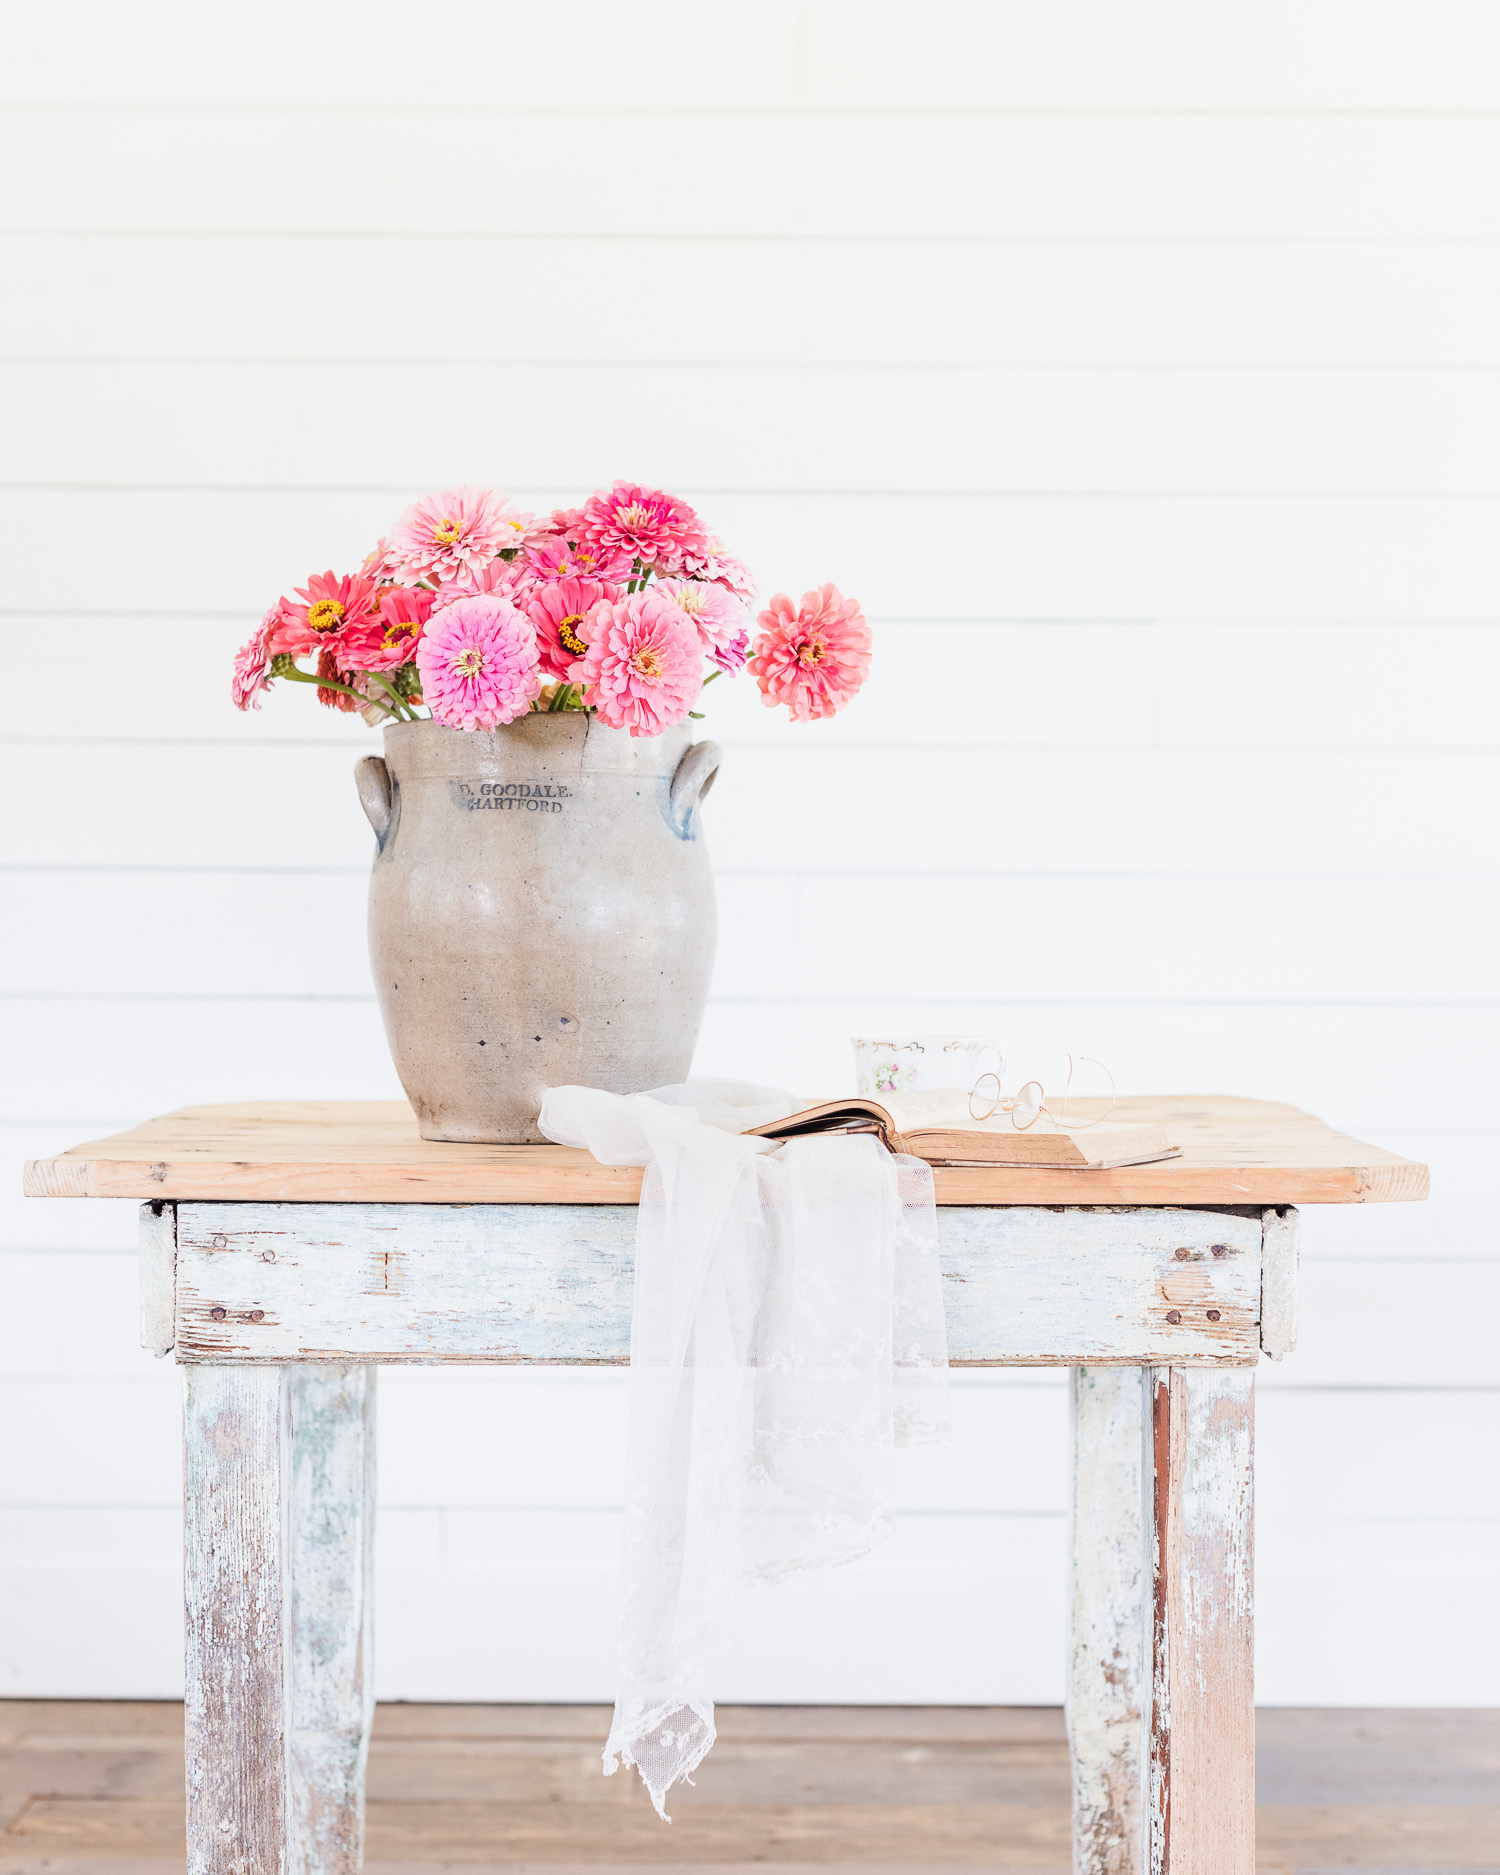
{"x": 1392, "y": 1181}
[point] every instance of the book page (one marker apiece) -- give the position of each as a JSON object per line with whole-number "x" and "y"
{"x": 949, "y": 1106}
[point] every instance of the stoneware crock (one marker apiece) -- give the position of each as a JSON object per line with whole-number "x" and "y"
{"x": 541, "y": 913}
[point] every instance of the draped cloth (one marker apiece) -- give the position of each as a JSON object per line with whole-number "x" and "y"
{"x": 787, "y": 1336}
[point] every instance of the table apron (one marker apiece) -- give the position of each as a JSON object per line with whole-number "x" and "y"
{"x": 282, "y": 1283}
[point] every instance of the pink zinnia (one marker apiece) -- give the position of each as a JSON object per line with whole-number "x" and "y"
{"x": 647, "y": 524}
{"x": 812, "y": 658}
{"x": 404, "y": 610}
{"x": 644, "y": 665}
{"x": 560, "y": 611}
{"x": 719, "y": 616}
{"x": 507, "y": 578}
{"x": 252, "y": 663}
{"x": 454, "y": 532}
{"x": 478, "y": 663}
{"x": 723, "y": 569}
{"x": 336, "y": 615}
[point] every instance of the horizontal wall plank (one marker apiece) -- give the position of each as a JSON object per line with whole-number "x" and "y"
{"x": 1313, "y": 1632}
{"x": 1457, "y": 1220}
{"x": 101, "y": 1536}
{"x": 1056, "y": 684}
{"x": 82, "y": 1632}
{"x": 1427, "y": 1322}
{"x": 281, "y": 1283}
{"x": 1064, "y": 556}
{"x": 785, "y": 935}
{"x": 1336, "y": 303}
{"x": 986, "y": 1632}
{"x": 1330, "y": 686}
{"x": 1168, "y": 939}
{"x": 1325, "y": 1458}
{"x": 882, "y": 173}
{"x": 70, "y": 1224}
{"x": 147, "y": 1057}
{"x": 1168, "y": 54}
{"x": 878, "y": 427}
{"x": 90, "y": 1441}
{"x": 812, "y": 806}
{"x": 73, "y": 1315}
{"x": 1365, "y": 1069}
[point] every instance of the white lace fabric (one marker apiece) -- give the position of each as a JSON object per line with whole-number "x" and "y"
{"x": 787, "y": 1337}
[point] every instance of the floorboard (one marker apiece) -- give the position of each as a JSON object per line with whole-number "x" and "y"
{"x": 93, "y": 1787}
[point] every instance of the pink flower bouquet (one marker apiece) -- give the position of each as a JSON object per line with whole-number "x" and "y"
{"x": 477, "y": 612}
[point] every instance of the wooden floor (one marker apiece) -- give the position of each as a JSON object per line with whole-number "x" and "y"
{"x": 90, "y": 1788}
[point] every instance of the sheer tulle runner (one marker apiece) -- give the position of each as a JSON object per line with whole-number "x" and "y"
{"x": 787, "y": 1336}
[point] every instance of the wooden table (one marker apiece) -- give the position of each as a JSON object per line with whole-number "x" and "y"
{"x": 287, "y": 1249}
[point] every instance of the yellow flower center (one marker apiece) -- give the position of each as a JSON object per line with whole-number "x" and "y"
{"x": 811, "y": 651}
{"x": 326, "y": 615}
{"x": 570, "y": 639}
{"x": 446, "y": 533}
{"x": 691, "y": 599}
{"x": 519, "y": 526}
{"x": 646, "y": 662}
{"x": 469, "y": 662}
{"x": 397, "y": 630}
{"x": 635, "y": 516}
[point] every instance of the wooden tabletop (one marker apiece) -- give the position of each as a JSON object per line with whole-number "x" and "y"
{"x": 1234, "y": 1151}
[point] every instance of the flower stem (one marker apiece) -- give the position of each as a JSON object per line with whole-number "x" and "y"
{"x": 407, "y": 712}
{"x": 327, "y": 683}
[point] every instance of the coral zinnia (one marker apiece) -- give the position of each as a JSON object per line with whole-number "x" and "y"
{"x": 336, "y": 615}
{"x": 719, "y": 616}
{"x": 645, "y": 524}
{"x": 478, "y": 663}
{"x": 644, "y": 665}
{"x": 813, "y": 658}
{"x": 404, "y": 610}
{"x": 560, "y": 612}
{"x": 454, "y": 532}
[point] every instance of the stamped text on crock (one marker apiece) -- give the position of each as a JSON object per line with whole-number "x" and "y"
{"x": 524, "y": 797}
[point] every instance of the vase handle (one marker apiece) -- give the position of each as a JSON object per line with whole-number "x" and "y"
{"x": 373, "y": 779}
{"x": 693, "y": 779}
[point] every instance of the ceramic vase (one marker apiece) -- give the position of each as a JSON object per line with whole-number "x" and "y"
{"x": 541, "y": 913}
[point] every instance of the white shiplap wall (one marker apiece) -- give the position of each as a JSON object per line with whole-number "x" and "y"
{"x": 1139, "y": 368}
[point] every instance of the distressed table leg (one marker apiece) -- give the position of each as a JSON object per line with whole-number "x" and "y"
{"x": 1107, "y": 1627}
{"x": 235, "y": 1481}
{"x": 1201, "y": 1784}
{"x": 332, "y": 1611}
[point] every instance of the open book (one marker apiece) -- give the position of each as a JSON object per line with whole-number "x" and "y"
{"x": 938, "y": 1127}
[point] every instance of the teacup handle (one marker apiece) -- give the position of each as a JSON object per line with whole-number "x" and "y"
{"x": 373, "y": 779}
{"x": 692, "y": 780}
